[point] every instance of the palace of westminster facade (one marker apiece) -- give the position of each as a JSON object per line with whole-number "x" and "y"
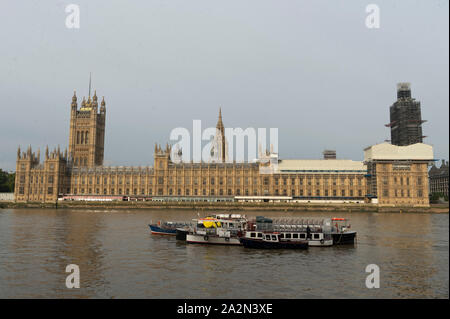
{"x": 389, "y": 175}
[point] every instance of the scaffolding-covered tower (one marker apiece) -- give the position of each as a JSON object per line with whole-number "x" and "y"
{"x": 405, "y": 118}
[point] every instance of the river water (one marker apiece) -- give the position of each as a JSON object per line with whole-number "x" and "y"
{"x": 119, "y": 258}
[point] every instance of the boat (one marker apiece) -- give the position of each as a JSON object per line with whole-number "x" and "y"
{"x": 166, "y": 227}
{"x": 222, "y": 229}
{"x": 316, "y": 232}
{"x": 341, "y": 232}
{"x": 271, "y": 240}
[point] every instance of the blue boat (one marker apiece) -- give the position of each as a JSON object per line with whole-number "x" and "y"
{"x": 165, "y": 228}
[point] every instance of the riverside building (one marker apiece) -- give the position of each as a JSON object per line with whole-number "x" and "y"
{"x": 79, "y": 174}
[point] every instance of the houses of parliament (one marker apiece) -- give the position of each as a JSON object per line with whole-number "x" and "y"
{"x": 389, "y": 175}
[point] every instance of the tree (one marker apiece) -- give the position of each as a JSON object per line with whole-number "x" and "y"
{"x": 7, "y": 181}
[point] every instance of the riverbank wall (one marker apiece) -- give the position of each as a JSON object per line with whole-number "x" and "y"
{"x": 232, "y": 206}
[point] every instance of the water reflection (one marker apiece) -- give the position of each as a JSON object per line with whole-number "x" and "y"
{"x": 119, "y": 258}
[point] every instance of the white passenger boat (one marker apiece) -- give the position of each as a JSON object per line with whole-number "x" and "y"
{"x": 222, "y": 229}
{"x": 318, "y": 233}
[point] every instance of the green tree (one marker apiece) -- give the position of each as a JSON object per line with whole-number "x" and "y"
{"x": 7, "y": 181}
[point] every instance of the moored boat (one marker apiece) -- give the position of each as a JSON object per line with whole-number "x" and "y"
{"x": 271, "y": 240}
{"x": 165, "y": 227}
{"x": 316, "y": 232}
{"x": 223, "y": 229}
{"x": 341, "y": 232}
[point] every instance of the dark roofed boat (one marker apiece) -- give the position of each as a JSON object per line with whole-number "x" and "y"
{"x": 266, "y": 240}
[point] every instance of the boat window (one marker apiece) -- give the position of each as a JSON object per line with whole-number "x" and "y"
{"x": 288, "y": 236}
{"x": 267, "y": 237}
{"x": 302, "y": 235}
{"x": 281, "y": 235}
{"x": 252, "y": 235}
{"x": 259, "y": 235}
{"x": 316, "y": 236}
{"x": 274, "y": 237}
{"x": 294, "y": 235}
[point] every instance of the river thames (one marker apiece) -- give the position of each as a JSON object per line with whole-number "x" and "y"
{"x": 119, "y": 258}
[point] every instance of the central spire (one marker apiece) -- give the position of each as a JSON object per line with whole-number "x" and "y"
{"x": 219, "y": 122}
{"x": 89, "y": 84}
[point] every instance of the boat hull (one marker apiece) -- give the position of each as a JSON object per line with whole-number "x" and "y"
{"x": 318, "y": 243}
{"x": 156, "y": 230}
{"x": 212, "y": 240}
{"x": 181, "y": 234}
{"x": 261, "y": 244}
{"x": 347, "y": 238}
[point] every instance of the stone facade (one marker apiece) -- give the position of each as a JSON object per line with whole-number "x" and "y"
{"x": 80, "y": 171}
{"x": 398, "y": 175}
{"x": 439, "y": 179}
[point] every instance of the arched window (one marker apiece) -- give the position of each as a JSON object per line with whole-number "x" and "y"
{"x": 78, "y": 137}
{"x": 82, "y": 137}
{"x": 86, "y": 139}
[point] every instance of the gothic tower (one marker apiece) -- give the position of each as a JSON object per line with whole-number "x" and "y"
{"x": 219, "y": 150}
{"x": 87, "y": 132}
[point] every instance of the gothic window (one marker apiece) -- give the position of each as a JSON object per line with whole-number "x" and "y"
{"x": 86, "y": 139}
{"x": 82, "y": 138}
{"x": 78, "y": 137}
{"x": 187, "y": 192}
{"x": 229, "y": 192}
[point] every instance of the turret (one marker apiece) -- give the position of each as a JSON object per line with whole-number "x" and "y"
{"x": 103, "y": 105}
{"x": 74, "y": 100}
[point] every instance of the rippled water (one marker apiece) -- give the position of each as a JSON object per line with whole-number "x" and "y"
{"x": 119, "y": 258}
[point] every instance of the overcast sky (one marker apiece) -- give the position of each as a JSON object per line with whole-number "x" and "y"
{"x": 310, "y": 68}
